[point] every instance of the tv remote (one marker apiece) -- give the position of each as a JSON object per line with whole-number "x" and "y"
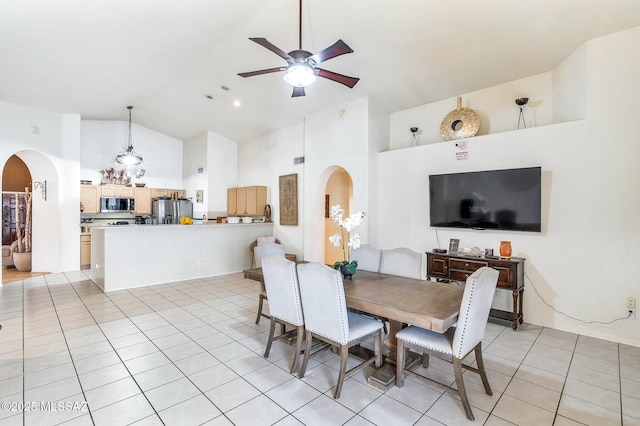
{"x": 439, "y": 250}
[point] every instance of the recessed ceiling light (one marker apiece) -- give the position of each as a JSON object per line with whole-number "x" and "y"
{"x": 225, "y": 88}
{"x": 208, "y": 96}
{"x": 236, "y": 103}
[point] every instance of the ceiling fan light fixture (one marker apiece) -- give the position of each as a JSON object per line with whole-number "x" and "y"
{"x": 129, "y": 157}
{"x": 300, "y": 75}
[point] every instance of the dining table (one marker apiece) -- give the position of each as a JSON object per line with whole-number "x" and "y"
{"x": 428, "y": 304}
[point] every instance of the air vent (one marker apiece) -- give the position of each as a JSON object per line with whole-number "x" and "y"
{"x": 298, "y": 160}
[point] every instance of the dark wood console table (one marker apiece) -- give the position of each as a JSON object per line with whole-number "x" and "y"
{"x": 457, "y": 267}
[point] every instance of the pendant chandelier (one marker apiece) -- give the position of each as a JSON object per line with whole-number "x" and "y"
{"x": 129, "y": 157}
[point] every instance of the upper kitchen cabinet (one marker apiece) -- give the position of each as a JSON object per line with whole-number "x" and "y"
{"x": 143, "y": 200}
{"x": 117, "y": 191}
{"x": 247, "y": 201}
{"x": 90, "y": 198}
{"x": 163, "y": 192}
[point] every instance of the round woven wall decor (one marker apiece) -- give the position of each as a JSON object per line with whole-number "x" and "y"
{"x": 460, "y": 123}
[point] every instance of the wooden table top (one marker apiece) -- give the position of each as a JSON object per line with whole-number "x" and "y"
{"x": 427, "y": 304}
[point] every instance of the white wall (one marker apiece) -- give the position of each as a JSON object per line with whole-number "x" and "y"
{"x": 584, "y": 263}
{"x": 335, "y": 137}
{"x": 261, "y": 161}
{"x": 222, "y": 171}
{"x": 495, "y": 107}
{"x": 49, "y": 144}
{"x": 217, "y": 156}
{"x": 102, "y": 140}
{"x": 194, "y": 153}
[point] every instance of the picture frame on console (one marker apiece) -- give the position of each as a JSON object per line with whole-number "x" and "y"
{"x": 453, "y": 245}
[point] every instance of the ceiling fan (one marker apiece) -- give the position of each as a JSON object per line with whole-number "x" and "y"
{"x": 302, "y": 69}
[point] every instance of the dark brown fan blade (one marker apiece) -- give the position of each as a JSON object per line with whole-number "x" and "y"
{"x": 336, "y": 49}
{"x": 267, "y": 44}
{"x": 267, "y": 71}
{"x": 346, "y": 80}
{"x": 297, "y": 91}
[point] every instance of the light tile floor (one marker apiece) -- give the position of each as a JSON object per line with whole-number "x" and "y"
{"x": 189, "y": 353}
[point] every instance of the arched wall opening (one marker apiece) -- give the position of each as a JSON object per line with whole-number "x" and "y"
{"x": 336, "y": 186}
{"x": 15, "y": 178}
{"x": 44, "y": 211}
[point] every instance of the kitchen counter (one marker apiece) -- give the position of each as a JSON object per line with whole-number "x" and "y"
{"x": 130, "y": 256}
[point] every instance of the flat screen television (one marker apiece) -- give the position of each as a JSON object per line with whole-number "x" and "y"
{"x": 507, "y": 200}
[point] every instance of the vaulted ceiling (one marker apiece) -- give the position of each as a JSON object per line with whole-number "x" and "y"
{"x": 168, "y": 58}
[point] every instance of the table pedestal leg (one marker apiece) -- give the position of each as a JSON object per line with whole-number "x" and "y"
{"x": 384, "y": 377}
{"x": 391, "y": 342}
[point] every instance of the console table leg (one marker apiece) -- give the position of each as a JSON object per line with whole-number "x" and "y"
{"x": 520, "y": 314}
{"x": 514, "y": 320}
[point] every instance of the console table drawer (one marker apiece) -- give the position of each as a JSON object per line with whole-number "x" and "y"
{"x": 465, "y": 265}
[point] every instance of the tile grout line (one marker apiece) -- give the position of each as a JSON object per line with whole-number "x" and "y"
{"x": 112, "y": 347}
{"x": 159, "y": 350}
{"x": 68, "y": 348}
{"x": 264, "y": 393}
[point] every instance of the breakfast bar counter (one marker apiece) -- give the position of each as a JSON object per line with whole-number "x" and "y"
{"x": 124, "y": 257}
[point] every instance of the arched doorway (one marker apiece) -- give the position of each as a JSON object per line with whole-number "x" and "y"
{"x": 338, "y": 190}
{"x": 15, "y": 178}
{"x": 38, "y": 171}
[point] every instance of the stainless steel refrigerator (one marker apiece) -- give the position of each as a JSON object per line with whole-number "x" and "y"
{"x": 166, "y": 210}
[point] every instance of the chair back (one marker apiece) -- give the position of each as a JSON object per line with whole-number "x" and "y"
{"x": 262, "y": 240}
{"x": 269, "y": 249}
{"x": 323, "y": 301}
{"x": 401, "y": 262}
{"x": 474, "y": 310}
{"x": 281, "y": 282}
{"x": 368, "y": 257}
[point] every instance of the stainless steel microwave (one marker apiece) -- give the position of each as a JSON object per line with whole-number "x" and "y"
{"x": 116, "y": 205}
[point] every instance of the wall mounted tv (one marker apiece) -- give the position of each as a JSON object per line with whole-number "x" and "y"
{"x": 507, "y": 200}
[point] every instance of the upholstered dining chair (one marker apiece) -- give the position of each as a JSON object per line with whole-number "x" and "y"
{"x": 457, "y": 342}
{"x": 326, "y": 318}
{"x": 402, "y": 262}
{"x": 285, "y": 307}
{"x": 254, "y": 244}
{"x": 368, "y": 257}
{"x": 263, "y": 250}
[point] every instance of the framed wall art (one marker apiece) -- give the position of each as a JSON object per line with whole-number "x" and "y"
{"x": 289, "y": 199}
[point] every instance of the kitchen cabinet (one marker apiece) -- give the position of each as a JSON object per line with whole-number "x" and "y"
{"x": 164, "y": 192}
{"x": 232, "y": 201}
{"x": 90, "y": 198}
{"x": 246, "y": 201}
{"x": 117, "y": 191}
{"x": 142, "y": 198}
{"x": 85, "y": 251}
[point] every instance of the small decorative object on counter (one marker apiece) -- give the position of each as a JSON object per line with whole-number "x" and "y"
{"x": 267, "y": 213}
{"x": 186, "y": 220}
{"x": 348, "y": 268}
{"x": 204, "y": 218}
{"x": 488, "y": 252}
{"x": 505, "y": 248}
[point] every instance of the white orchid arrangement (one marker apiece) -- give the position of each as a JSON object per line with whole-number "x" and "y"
{"x": 349, "y": 223}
